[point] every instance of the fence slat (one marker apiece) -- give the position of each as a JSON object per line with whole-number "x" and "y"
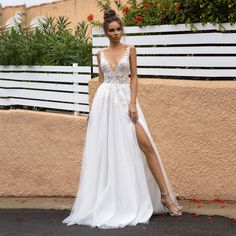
{"x": 182, "y": 50}
{"x": 168, "y": 28}
{"x": 174, "y": 39}
{"x": 44, "y": 86}
{"x": 184, "y": 61}
{"x": 44, "y": 95}
{"x": 184, "y": 72}
{"x": 46, "y": 77}
{"x": 44, "y": 104}
{"x": 80, "y": 69}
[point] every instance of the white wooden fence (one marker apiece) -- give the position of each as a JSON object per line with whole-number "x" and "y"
{"x": 54, "y": 87}
{"x": 176, "y": 50}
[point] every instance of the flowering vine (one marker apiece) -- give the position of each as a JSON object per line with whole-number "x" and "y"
{"x": 156, "y": 12}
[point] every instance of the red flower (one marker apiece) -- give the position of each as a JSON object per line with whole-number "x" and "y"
{"x": 219, "y": 200}
{"x": 90, "y": 17}
{"x": 138, "y": 19}
{"x": 178, "y": 5}
{"x": 195, "y": 200}
{"x": 125, "y": 10}
{"x": 146, "y": 4}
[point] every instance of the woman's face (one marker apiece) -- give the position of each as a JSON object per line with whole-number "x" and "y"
{"x": 114, "y": 31}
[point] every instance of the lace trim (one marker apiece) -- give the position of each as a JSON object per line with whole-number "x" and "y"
{"x": 127, "y": 50}
{"x": 121, "y": 73}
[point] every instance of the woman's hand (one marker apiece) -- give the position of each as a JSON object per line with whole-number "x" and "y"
{"x": 133, "y": 112}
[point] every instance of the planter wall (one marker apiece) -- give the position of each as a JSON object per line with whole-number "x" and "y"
{"x": 192, "y": 123}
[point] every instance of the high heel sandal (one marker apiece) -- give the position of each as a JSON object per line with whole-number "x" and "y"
{"x": 167, "y": 206}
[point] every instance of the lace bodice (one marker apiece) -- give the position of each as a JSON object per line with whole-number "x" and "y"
{"x": 116, "y": 81}
{"x": 118, "y": 75}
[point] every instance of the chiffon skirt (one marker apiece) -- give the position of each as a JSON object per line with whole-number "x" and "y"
{"x": 116, "y": 186}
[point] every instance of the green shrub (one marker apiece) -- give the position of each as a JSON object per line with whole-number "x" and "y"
{"x": 51, "y": 43}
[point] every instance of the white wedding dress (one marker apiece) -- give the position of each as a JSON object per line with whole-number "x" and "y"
{"x": 116, "y": 186}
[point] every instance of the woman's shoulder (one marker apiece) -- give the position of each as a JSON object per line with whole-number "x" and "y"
{"x": 132, "y": 49}
{"x": 100, "y": 51}
{"x": 130, "y": 46}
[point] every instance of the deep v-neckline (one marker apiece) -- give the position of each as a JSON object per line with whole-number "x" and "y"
{"x": 118, "y": 62}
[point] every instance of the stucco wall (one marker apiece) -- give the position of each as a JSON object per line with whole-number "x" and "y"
{"x": 193, "y": 124}
{"x": 76, "y": 10}
{"x": 40, "y": 153}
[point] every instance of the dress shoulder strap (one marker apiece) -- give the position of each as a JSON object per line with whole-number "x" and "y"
{"x": 128, "y": 48}
{"x": 129, "y": 52}
{"x": 101, "y": 52}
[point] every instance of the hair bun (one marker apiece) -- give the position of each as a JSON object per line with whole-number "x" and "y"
{"x": 109, "y": 13}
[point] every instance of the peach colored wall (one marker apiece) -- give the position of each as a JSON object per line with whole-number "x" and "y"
{"x": 76, "y": 10}
{"x": 192, "y": 122}
{"x": 40, "y": 153}
{"x": 9, "y": 12}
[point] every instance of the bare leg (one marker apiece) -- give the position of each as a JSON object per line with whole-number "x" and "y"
{"x": 146, "y": 147}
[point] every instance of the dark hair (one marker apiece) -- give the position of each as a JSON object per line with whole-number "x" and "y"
{"x": 110, "y": 16}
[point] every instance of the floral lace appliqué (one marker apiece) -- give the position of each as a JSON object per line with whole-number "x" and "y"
{"x": 121, "y": 73}
{"x": 118, "y": 79}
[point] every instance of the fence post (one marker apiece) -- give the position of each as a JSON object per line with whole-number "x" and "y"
{"x": 76, "y": 113}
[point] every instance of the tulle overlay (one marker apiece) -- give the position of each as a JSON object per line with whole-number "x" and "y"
{"x": 116, "y": 186}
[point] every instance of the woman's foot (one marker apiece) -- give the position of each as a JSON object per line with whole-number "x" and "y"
{"x": 169, "y": 205}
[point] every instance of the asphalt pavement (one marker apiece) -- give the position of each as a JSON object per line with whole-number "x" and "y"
{"x": 35, "y": 216}
{"x": 39, "y": 222}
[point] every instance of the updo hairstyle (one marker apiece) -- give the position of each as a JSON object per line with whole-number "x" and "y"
{"x": 110, "y": 16}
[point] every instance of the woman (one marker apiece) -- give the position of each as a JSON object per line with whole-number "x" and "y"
{"x": 123, "y": 181}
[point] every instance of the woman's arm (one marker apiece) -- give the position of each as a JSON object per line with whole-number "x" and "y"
{"x": 101, "y": 75}
{"x": 133, "y": 84}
